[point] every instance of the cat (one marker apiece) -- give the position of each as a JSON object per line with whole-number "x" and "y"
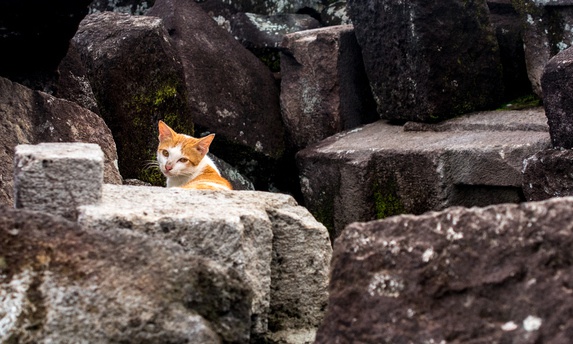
{"x": 183, "y": 160}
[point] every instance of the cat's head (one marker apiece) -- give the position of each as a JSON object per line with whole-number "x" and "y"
{"x": 179, "y": 154}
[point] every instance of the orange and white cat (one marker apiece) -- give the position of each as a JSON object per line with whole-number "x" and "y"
{"x": 183, "y": 160}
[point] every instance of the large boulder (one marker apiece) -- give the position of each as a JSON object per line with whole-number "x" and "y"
{"x": 546, "y": 32}
{"x": 137, "y": 79}
{"x": 381, "y": 169}
{"x": 34, "y": 37}
{"x": 60, "y": 282}
{"x": 557, "y": 84}
{"x": 28, "y": 116}
{"x": 428, "y": 61}
{"x": 500, "y": 274}
{"x": 324, "y": 88}
{"x": 548, "y": 174}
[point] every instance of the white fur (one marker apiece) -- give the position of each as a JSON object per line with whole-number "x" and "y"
{"x": 181, "y": 173}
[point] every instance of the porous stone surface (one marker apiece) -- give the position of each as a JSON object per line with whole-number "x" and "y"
{"x": 381, "y": 169}
{"x": 123, "y": 6}
{"x": 137, "y": 79}
{"x": 440, "y": 58}
{"x": 547, "y": 174}
{"x": 29, "y": 117}
{"x": 34, "y": 37}
{"x": 60, "y": 282}
{"x": 57, "y": 177}
{"x": 324, "y": 88}
{"x": 558, "y": 98}
{"x": 499, "y": 274}
{"x": 546, "y": 32}
{"x": 279, "y": 249}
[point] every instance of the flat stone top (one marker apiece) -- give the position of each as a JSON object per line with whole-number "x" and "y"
{"x": 61, "y": 150}
{"x": 483, "y": 130}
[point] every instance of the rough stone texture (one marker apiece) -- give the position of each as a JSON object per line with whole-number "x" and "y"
{"x": 440, "y": 58}
{"x": 57, "y": 177}
{"x": 558, "y": 98}
{"x": 508, "y": 30}
{"x": 276, "y": 245}
{"x": 137, "y": 80}
{"x": 499, "y": 274}
{"x": 267, "y": 7}
{"x": 324, "y": 88}
{"x": 34, "y": 37}
{"x": 380, "y": 170}
{"x": 546, "y": 32}
{"x": 547, "y": 174}
{"x": 58, "y": 282}
{"x": 29, "y": 117}
{"x": 122, "y": 6}
{"x": 231, "y": 92}
{"x": 335, "y": 13}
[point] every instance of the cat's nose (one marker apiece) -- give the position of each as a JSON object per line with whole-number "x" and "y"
{"x": 168, "y": 168}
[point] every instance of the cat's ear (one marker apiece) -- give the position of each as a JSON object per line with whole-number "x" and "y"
{"x": 165, "y": 132}
{"x": 204, "y": 143}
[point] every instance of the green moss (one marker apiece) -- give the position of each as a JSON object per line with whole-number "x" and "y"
{"x": 523, "y": 102}
{"x": 386, "y": 200}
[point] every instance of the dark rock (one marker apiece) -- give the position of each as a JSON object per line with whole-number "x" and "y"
{"x": 324, "y": 88}
{"x": 112, "y": 287}
{"x": 28, "y": 116}
{"x": 547, "y": 174}
{"x": 483, "y": 275}
{"x": 231, "y": 92}
{"x": 557, "y": 87}
{"x": 508, "y": 30}
{"x": 335, "y": 13}
{"x": 34, "y": 37}
{"x": 440, "y": 59}
{"x": 121, "y": 6}
{"x": 268, "y": 7}
{"x": 380, "y": 170}
{"x": 137, "y": 79}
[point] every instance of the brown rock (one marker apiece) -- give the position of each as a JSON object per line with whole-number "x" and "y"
{"x": 499, "y": 274}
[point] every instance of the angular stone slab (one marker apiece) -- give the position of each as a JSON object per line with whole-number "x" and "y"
{"x": 58, "y": 177}
{"x": 500, "y": 274}
{"x": 324, "y": 88}
{"x": 279, "y": 249}
{"x": 548, "y": 174}
{"x": 380, "y": 169}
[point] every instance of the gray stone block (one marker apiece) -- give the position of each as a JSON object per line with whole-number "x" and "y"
{"x": 58, "y": 177}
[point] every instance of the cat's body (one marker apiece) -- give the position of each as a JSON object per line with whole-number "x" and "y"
{"x": 183, "y": 160}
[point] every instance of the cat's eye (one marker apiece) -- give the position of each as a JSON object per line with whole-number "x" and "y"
{"x": 183, "y": 160}
{"x": 165, "y": 153}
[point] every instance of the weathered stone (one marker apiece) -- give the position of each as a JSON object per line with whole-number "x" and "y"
{"x": 335, "y": 13}
{"x": 547, "y": 174}
{"x": 558, "y": 98}
{"x": 137, "y": 80}
{"x": 59, "y": 282}
{"x": 231, "y": 92}
{"x": 267, "y": 7}
{"x": 508, "y": 30}
{"x": 324, "y": 88}
{"x": 122, "y": 6}
{"x": 57, "y": 177}
{"x": 282, "y": 253}
{"x": 483, "y": 275}
{"x": 546, "y": 32}
{"x": 440, "y": 58}
{"x": 380, "y": 169}
{"x": 29, "y": 117}
{"x": 34, "y": 37}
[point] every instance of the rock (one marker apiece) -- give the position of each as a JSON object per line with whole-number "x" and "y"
{"x": 137, "y": 79}
{"x": 111, "y": 287}
{"x": 440, "y": 59}
{"x": 557, "y": 98}
{"x": 237, "y": 180}
{"x": 324, "y": 88}
{"x": 266, "y": 7}
{"x": 34, "y": 37}
{"x": 57, "y": 177}
{"x": 481, "y": 275}
{"x": 30, "y": 117}
{"x": 121, "y": 6}
{"x": 380, "y": 169}
{"x": 335, "y": 13}
{"x": 547, "y": 174}
{"x": 546, "y": 32}
{"x": 282, "y": 253}
{"x": 231, "y": 92}
{"x": 508, "y": 30}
